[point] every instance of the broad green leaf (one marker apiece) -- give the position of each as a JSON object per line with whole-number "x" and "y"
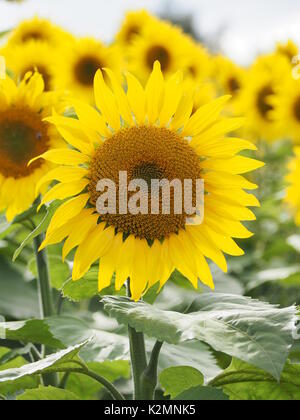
{"x": 255, "y": 332}
{"x": 176, "y": 380}
{"x": 85, "y": 288}
{"x": 244, "y": 382}
{"x": 19, "y": 300}
{"x": 15, "y": 353}
{"x": 281, "y": 275}
{"x": 64, "y": 331}
{"x": 87, "y": 388}
{"x": 47, "y": 394}
{"x": 194, "y": 354}
{"x": 20, "y": 384}
{"x": 32, "y": 331}
{"x": 62, "y": 361}
{"x": 59, "y": 270}
{"x": 202, "y": 393}
{"x": 42, "y": 227}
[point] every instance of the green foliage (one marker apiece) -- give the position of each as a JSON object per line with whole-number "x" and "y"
{"x": 202, "y": 393}
{"x": 244, "y": 382}
{"x": 256, "y": 332}
{"x": 87, "y": 388}
{"x": 59, "y": 270}
{"x": 47, "y": 394}
{"x": 176, "y": 380}
{"x": 8, "y": 362}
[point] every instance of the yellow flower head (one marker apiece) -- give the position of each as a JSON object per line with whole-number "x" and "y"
{"x": 150, "y": 134}
{"x": 23, "y": 135}
{"x": 287, "y": 109}
{"x": 231, "y": 78}
{"x": 293, "y": 191}
{"x": 257, "y": 101}
{"x": 79, "y": 63}
{"x": 40, "y": 30}
{"x": 159, "y": 41}
{"x": 198, "y": 63}
{"x": 33, "y": 56}
{"x": 288, "y": 50}
{"x": 133, "y": 25}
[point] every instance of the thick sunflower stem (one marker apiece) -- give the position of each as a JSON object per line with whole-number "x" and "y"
{"x": 149, "y": 376}
{"x": 45, "y": 295}
{"x": 44, "y": 287}
{"x": 138, "y": 357}
{"x": 138, "y": 361}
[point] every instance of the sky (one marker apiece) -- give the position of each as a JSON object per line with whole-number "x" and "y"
{"x": 246, "y": 27}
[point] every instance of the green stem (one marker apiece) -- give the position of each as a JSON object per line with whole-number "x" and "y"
{"x": 45, "y": 295}
{"x": 138, "y": 357}
{"x": 149, "y": 377}
{"x": 44, "y": 287}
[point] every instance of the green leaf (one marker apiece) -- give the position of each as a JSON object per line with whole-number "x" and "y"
{"x": 47, "y": 394}
{"x": 59, "y": 270}
{"x": 32, "y": 331}
{"x": 244, "y": 382}
{"x": 42, "y": 227}
{"x": 19, "y": 300}
{"x": 176, "y": 380}
{"x": 87, "y": 388}
{"x": 82, "y": 289}
{"x": 20, "y": 384}
{"x": 202, "y": 393}
{"x": 62, "y": 361}
{"x": 256, "y": 332}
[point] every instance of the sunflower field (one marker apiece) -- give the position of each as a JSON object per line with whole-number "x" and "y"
{"x": 109, "y": 302}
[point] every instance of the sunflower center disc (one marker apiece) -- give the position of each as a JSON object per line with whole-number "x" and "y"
{"x": 262, "y": 102}
{"x": 86, "y": 69}
{"x": 147, "y": 153}
{"x": 23, "y": 136}
{"x": 158, "y": 53}
{"x": 33, "y": 36}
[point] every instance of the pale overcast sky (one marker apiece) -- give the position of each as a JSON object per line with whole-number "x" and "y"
{"x": 251, "y": 25}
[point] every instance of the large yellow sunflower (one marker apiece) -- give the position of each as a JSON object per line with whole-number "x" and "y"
{"x": 78, "y": 65}
{"x": 150, "y": 134}
{"x": 158, "y": 41}
{"x": 23, "y": 135}
{"x": 257, "y": 97}
{"x": 33, "y": 56}
{"x": 287, "y": 109}
{"x": 293, "y": 191}
{"x": 37, "y": 29}
{"x": 133, "y": 25}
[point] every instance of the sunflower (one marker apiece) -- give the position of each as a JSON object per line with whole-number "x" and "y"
{"x": 258, "y": 100}
{"x": 287, "y": 109}
{"x": 133, "y": 25}
{"x": 83, "y": 57}
{"x": 159, "y": 41}
{"x": 288, "y": 50}
{"x": 33, "y": 56}
{"x": 231, "y": 80}
{"x": 23, "y": 135}
{"x": 36, "y": 29}
{"x": 293, "y": 191}
{"x": 150, "y": 134}
{"x": 198, "y": 63}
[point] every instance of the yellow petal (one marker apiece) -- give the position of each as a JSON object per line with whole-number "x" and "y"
{"x": 64, "y": 190}
{"x": 90, "y": 117}
{"x": 235, "y": 165}
{"x": 63, "y": 157}
{"x": 120, "y": 96}
{"x": 91, "y": 249}
{"x": 63, "y": 173}
{"x": 205, "y": 116}
{"x": 68, "y": 211}
{"x": 106, "y": 103}
{"x": 173, "y": 95}
{"x": 154, "y": 93}
{"x": 136, "y": 98}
